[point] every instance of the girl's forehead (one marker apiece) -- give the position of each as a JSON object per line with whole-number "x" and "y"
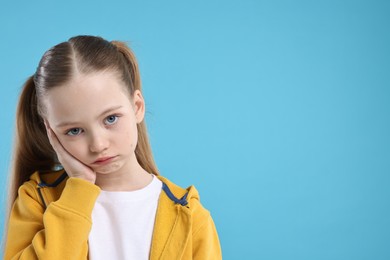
{"x": 86, "y": 95}
{"x": 97, "y": 76}
{"x": 90, "y": 86}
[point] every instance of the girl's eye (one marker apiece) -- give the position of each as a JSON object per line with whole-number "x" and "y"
{"x": 74, "y": 131}
{"x": 110, "y": 120}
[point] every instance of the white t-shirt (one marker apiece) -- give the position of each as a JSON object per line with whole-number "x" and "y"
{"x": 123, "y": 222}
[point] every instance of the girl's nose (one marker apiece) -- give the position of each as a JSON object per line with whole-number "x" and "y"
{"x": 98, "y": 143}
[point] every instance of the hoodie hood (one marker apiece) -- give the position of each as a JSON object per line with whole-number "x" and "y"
{"x": 58, "y": 179}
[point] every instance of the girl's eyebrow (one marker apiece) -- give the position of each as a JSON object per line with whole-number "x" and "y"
{"x": 108, "y": 110}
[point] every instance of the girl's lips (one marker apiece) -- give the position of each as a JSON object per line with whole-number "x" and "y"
{"x": 104, "y": 160}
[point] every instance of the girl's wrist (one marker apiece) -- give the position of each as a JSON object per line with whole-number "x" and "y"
{"x": 91, "y": 179}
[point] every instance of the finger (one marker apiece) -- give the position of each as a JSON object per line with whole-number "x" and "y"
{"x": 55, "y": 143}
{"x": 46, "y": 123}
{"x": 52, "y": 137}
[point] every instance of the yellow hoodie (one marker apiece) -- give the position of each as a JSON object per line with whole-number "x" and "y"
{"x": 51, "y": 219}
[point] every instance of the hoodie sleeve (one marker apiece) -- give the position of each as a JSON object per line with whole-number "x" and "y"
{"x": 59, "y": 232}
{"x": 205, "y": 241}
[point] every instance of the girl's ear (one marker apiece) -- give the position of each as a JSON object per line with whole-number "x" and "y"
{"x": 139, "y": 106}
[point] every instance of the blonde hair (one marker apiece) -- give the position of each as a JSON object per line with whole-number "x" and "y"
{"x": 83, "y": 54}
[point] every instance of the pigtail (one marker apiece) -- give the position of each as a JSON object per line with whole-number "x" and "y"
{"x": 32, "y": 149}
{"x": 131, "y": 63}
{"x": 143, "y": 150}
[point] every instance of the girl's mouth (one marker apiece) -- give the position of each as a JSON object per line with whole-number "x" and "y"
{"x": 104, "y": 160}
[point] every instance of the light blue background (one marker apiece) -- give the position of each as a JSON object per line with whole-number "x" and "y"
{"x": 278, "y": 111}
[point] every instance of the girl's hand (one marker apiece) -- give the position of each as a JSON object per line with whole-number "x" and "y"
{"x": 72, "y": 166}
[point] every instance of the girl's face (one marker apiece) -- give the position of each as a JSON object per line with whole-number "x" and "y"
{"x": 95, "y": 120}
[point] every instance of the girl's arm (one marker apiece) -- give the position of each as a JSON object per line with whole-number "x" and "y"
{"x": 59, "y": 232}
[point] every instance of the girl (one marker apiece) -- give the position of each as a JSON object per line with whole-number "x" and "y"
{"x": 85, "y": 185}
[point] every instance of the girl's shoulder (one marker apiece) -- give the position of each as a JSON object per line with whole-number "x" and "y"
{"x": 44, "y": 187}
{"x": 186, "y": 197}
{"x": 48, "y": 178}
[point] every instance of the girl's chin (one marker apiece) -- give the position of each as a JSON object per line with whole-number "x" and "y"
{"x": 107, "y": 169}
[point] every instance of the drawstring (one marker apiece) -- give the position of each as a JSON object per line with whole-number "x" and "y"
{"x": 183, "y": 201}
{"x": 43, "y": 184}
{"x": 41, "y": 196}
{"x": 55, "y": 183}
